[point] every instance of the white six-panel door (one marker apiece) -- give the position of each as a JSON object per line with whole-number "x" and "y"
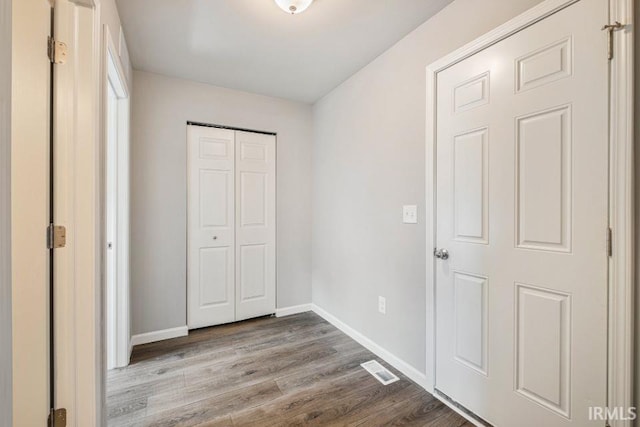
{"x": 211, "y": 226}
{"x": 522, "y": 189}
{"x": 231, "y": 226}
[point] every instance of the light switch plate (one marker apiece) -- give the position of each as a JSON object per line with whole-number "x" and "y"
{"x": 410, "y": 214}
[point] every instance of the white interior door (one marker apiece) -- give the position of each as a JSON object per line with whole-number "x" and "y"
{"x": 211, "y": 226}
{"x": 255, "y": 224}
{"x": 522, "y": 176}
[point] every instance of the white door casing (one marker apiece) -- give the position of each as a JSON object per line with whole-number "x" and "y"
{"x": 255, "y": 224}
{"x": 111, "y": 225}
{"x": 211, "y": 226}
{"x": 117, "y": 213}
{"x": 522, "y": 198}
{"x": 77, "y": 205}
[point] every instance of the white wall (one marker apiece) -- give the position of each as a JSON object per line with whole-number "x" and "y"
{"x": 6, "y": 366}
{"x": 161, "y": 108}
{"x": 369, "y": 160}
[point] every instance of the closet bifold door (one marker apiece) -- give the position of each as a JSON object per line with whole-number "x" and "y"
{"x": 210, "y": 226}
{"x": 255, "y": 224}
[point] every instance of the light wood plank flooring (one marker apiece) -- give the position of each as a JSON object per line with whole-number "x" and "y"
{"x": 296, "y": 370}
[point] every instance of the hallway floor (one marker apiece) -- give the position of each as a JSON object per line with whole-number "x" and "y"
{"x": 296, "y": 370}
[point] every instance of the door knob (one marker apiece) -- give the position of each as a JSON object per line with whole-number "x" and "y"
{"x": 441, "y": 253}
{"x": 215, "y": 237}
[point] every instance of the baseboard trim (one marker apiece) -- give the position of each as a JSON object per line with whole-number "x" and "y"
{"x": 294, "y": 309}
{"x": 162, "y": 335}
{"x": 402, "y": 366}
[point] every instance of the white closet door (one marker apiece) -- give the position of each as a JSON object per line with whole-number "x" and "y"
{"x": 255, "y": 224}
{"x": 211, "y": 228}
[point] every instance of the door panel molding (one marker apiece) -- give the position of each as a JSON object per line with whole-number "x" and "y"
{"x": 548, "y": 311}
{"x": 543, "y": 187}
{"x": 622, "y": 213}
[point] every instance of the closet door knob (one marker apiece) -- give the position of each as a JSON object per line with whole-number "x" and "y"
{"x": 442, "y": 254}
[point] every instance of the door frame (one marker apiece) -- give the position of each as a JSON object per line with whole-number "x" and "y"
{"x": 115, "y": 76}
{"x": 621, "y": 265}
{"x": 78, "y": 266}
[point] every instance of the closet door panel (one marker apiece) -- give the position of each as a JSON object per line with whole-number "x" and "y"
{"x": 211, "y": 226}
{"x": 255, "y": 224}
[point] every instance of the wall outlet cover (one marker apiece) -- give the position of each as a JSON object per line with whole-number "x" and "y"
{"x": 410, "y": 214}
{"x": 382, "y": 305}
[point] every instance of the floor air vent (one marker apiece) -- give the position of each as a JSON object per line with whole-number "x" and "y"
{"x": 381, "y": 373}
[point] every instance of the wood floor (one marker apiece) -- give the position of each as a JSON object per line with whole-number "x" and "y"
{"x": 296, "y": 370}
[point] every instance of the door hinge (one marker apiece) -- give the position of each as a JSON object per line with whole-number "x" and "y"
{"x": 57, "y": 51}
{"x": 58, "y": 418}
{"x": 610, "y": 28}
{"x": 56, "y": 236}
{"x": 609, "y": 242}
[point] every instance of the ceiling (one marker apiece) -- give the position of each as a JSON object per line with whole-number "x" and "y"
{"x": 252, "y": 45}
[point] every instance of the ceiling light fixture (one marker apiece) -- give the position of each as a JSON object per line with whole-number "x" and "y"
{"x": 294, "y": 6}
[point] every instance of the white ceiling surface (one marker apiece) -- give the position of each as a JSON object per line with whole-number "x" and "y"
{"x": 252, "y": 45}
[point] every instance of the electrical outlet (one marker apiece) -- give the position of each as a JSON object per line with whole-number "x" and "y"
{"x": 410, "y": 214}
{"x": 382, "y": 305}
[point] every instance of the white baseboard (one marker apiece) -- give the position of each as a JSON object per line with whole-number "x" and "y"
{"x": 154, "y": 336}
{"x": 402, "y": 366}
{"x": 294, "y": 309}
